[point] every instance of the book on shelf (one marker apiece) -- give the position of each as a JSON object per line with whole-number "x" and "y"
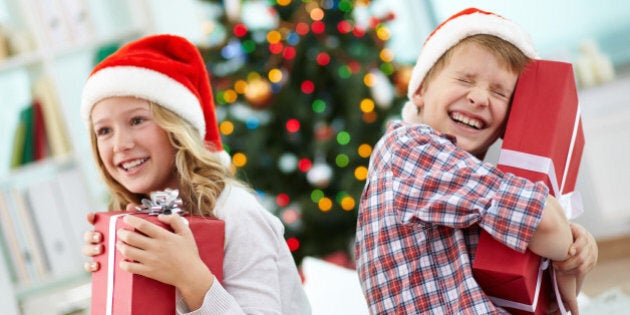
{"x": 56, "y": 131}
{"x": 33, "y": 241}
{"x": 71, "y": 186}
{"x": 19, "y": 241}
{"x": 9, "y": 243}
{"x": 62, "y": 252}
{"x": 40, "y": 140}
{"x": 19, "y": 139}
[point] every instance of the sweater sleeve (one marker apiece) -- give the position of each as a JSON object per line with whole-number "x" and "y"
{"x": 252, "y": 256}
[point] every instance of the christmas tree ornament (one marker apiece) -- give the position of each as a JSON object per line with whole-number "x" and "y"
{"x": 401, "y": 78}
{"x": 258, "y": 93}
{"x": 320, "y": 175}
{"x": 287, "y": 163}
{"x": 382, "y": 89}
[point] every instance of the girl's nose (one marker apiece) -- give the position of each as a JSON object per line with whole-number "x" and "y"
{"x": 122, "y": 141}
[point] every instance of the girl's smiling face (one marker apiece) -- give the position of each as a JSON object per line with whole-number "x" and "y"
{"x": 135, "y": 150}
{"x": 469, "y": 98}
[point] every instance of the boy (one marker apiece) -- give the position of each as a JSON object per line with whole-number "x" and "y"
{"x": 428, "y": 193}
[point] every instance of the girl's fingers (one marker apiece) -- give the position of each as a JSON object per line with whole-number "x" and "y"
{"x": 91, "y": 266}
{"x": 149, "y": 229}
{"x": 178, "y": 224}
{"x": 91, "y": 250}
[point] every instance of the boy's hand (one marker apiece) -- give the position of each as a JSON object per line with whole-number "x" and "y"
{"x": 567, "y": 284}
{"x": 583, "y": 258}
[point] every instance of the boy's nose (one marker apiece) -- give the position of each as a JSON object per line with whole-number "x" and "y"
{"x": 478, "y": 97}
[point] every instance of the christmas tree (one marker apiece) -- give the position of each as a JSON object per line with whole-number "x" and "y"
{"x": 304, "y": 90}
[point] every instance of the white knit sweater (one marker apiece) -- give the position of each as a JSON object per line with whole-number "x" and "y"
{"x": 259, "y": 274}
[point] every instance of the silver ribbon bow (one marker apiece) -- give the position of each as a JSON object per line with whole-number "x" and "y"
{"x": 162, "y": 202}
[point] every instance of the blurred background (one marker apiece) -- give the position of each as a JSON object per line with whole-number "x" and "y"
{"x": 303, "y": 90}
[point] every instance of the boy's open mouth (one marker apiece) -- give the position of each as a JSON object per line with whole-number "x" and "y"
{"x": 468, "y": 121}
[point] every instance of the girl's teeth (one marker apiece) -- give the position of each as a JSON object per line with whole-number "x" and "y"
{"x": 132, "y": 164}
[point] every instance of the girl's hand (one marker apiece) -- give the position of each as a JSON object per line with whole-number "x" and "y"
{"x": 92, "y": 245}
{"x": 92, "y": 241}
{"x": 168, "y": 257}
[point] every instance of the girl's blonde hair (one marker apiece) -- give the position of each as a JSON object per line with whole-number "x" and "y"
{"x": 202, "y": 176}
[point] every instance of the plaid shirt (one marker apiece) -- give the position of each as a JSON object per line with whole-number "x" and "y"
{"x": 418, "y": 226}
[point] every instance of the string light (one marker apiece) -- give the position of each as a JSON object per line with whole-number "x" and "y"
{"x": 293, "y": 243}
{"x": 367, "y": 105}
{"x": 304, "y": 165}
{"x": 342, "y": 160}
{"x": 360, "y": 173}
{"x": 240, "y": 86}
{"x": 368, "y": 79}
{"x": 364, "y": 150}
{"x": 240, "y": 30}
{"x": 325, "y": 204}
{"x": 318, "y": 27}
{"x": 317, "y": 195}
{"x": 387, "y": 55}
{"x": 230, "y": 96}
{"x": 319, "y": 106}
{"x": 289, "y": 53}
{"x": 239, "y": 159}
{"x": 226, "y": 127}
{"x": 302, "y": 28}
{"x": 282, "y": 200}
{"x": 343, "y": 138}
{"x": 307, "y": 87}
{"x": 347, "y": 203}
{"x": 275, "y": 75}
{"x": 322, "y": 59}
{"x": 293, "y": 125}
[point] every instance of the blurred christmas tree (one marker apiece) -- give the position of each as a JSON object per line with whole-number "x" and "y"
{"x": 304, "y": 89}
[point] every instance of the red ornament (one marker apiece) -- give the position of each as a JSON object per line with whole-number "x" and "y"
{"x": 318, "y": 27}
{"x": 307, "y": 87}
{"x": 322, "y": 58}
{"x": 240, "y": 30}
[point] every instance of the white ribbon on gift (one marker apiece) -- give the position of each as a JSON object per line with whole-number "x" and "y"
{"x": 111, "y": 262}
{"x": 571, "y": 203}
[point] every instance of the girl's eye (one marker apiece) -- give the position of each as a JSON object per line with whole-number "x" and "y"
{"x": 137, "y": 120}
{"x": 102, "y": 131}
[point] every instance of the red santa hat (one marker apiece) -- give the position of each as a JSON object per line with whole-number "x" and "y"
{"x": 465, "y": 23}
{"x": 167, "y": 70}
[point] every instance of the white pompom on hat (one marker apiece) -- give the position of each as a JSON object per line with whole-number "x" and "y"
{"x": 465, "y": 23}
{"x": 167, "y": 70}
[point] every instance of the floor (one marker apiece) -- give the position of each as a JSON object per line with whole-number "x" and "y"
{"x": 612, "y": 270}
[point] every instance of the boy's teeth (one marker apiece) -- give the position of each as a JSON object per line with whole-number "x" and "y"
{"x": 467, "y": 121}
{"x": 131, "y": 164}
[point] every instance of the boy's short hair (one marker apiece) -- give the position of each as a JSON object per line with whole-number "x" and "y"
{"x": 464, "y": 24}
{"x": 508, "y": 55}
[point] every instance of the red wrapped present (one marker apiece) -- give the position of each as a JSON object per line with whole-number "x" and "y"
{"x": 543, "y": 141}
{"x": 115, "y": 291}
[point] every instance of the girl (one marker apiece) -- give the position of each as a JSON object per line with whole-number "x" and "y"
{"x": 149, "y": 108}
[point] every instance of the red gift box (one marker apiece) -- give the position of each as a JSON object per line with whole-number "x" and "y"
{"x": 115, "y": 291}
{"x": 543, "y": 141}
